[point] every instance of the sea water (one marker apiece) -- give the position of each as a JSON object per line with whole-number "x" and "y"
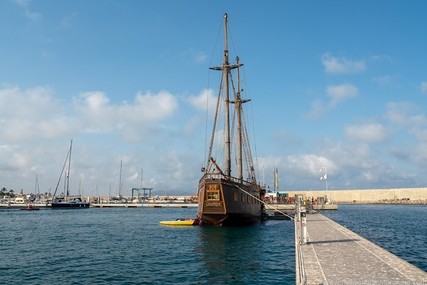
{"x": 129, "y": 246}
{"x": 400, "y": 229}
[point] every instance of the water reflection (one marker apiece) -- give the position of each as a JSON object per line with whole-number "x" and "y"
{"x": 230, "y": 254}
{"x": 244, "y": 255}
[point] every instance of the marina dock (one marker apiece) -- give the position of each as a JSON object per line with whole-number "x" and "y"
{"x": 109, "y": 205}
{"x": 145, "y": 205}
{"x": 332, "y": 254}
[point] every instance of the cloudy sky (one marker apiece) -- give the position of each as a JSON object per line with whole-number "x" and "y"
{"x": 335, "y": 84}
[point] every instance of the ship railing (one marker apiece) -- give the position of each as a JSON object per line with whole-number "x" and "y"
{"x": 216, "y": 175}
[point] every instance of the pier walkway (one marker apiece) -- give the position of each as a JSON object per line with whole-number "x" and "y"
{"x": 335, "y": 255}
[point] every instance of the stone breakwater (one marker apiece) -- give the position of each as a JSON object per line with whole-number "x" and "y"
{"x": 369, "y": 196}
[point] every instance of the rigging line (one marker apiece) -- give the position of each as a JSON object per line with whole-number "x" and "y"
{"x": 213, "y": 53}
{"x": 254, "y": 140}
{"x": 247, "y": 91}
{"x": 230, "y": 35}
{"x": 250, "y": 157}
{"x": 215, "y": 122}
{"x": 206, "y": 118}
{"x": 265, "y": 204}
{"x": 221, "y": 27}
{"x": 62, "y": 171}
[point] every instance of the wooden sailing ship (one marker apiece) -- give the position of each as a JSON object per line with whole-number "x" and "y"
{"x": 226, "y": 199}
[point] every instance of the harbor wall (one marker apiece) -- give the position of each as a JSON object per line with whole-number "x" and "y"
{"x": 398, "y": 195}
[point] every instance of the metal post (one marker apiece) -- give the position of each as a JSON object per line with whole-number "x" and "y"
{"x": 303, "y": 222}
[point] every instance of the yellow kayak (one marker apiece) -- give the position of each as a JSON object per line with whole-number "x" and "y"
{"x": 181, "y": 222}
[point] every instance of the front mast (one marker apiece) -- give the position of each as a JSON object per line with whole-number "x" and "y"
{"x": 226, "y": 67}
{"x": 226, "y": 70}
{"x": 69, "y": 169}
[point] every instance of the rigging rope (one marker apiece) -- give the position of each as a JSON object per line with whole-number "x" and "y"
{"x": 265, "y": 204}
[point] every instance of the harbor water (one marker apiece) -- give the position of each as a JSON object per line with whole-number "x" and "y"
{"x": 128, "y": 246}
{"x": 400, "y": 229}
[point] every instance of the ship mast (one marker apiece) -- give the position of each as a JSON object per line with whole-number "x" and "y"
{"x": 69, "y": 169}
{"x": 226, "y": 73}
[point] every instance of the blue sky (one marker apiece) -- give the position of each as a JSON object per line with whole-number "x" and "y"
{"x": 340, "y": 84}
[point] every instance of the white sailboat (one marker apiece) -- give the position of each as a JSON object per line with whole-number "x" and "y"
{"x": 65, "y": 200}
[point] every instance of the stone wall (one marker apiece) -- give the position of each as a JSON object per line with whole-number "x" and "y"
{"x": 367, "y": 195}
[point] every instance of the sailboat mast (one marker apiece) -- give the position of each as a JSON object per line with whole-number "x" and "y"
{"x": 36, "y": 187}
{"x": 226, "y": 71}
{"x": 69, "y": 168}
{"x": 120, "y": 179}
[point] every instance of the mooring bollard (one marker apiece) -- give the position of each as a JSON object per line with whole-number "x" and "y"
{"x": 303, "y": 221}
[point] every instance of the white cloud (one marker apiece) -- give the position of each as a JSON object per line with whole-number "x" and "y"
{"x": 200, "y": 57}
{"x": 36, "y": 127}
{"x": 317, "y": 110}
{"x": 311, "y": 163}
{"x": 337, "y": 94}
{"x": 384, "y": 80}
{"x": 334, "y": 64}
{"x": 99, "y": 115}
{"x": 413, "y": 122}
{"x": 25, "y": 5}
{"x": 405, "y": 114}
{"x": 367, "y": 133}
{"x": 31, "y": 114}
{"x": 205, "y": 100}
{"x": 423, "y": 87}
{"x": 340, "y": 93}
{"x": 369, "y": 176}
{"x": 67, "y": 21}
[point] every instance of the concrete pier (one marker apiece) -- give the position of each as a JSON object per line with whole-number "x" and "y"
{"x": 335, "y": 255}
{"x": 145, "y": 205}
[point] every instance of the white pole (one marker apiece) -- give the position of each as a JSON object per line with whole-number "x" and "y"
{"x": 326, "y": 176}
{"x": 303, "y": 225}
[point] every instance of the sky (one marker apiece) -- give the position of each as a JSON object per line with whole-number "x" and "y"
{"x": 335, "y": 85}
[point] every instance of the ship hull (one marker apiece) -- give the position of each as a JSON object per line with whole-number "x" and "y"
{"x": 74, "y": 203}
{"x": 66, "y": 205}
{"x": 229, "y": 203}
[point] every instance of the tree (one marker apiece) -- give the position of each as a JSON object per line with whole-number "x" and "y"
{"x": 3, "y": 192}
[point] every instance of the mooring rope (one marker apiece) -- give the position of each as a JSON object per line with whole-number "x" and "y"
{"x": 265, "y": 204}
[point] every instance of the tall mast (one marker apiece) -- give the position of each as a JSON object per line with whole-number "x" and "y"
{"x": 69, "y": 168}
{"x": 226, "y": 70}
{"x": 239, "y": 110}
{"x": 239, "y": 126}
{"x": 120, "y": 179}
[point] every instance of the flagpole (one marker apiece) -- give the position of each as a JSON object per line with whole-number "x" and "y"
{"x": 326, "y": 179}
{"x": 325, "y": 176}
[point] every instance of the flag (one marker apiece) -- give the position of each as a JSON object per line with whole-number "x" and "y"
{"x": 324, "y": 177}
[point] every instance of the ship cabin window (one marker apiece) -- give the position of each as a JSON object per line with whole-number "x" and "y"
{"x": 213, "y": 193}
{"x": 236, "y": 196}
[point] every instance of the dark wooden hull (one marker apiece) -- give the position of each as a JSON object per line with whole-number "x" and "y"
{"x": 66, "y": 205}
{"x": 228, "y": 202}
